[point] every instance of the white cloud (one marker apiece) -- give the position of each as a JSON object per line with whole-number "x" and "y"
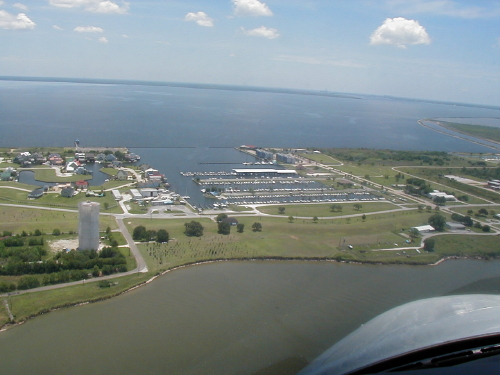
{"x": 262, "y": 32}
{"x": 200, "y": 18}
{"x": 251, "y": 8}
{"x": 102, "y": 39}
{"x": 95, "y": 6}
{"x": 400, "y": 32}
{"x": 318, "y": 61}
{"x": 88, "y": 29}
{"x": 1, "y": 2}
{"x": 55, "y": 27}
{"x": 20, "y": 6}
{"x": 124, "y": 36}
{"x": 445, "y": 8}
{"x": 10, "y": 22}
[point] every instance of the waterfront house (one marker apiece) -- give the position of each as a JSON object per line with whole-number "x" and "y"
{"x": 5, "y": 176}
{"x": 67, "y": 192}
{"x": 121, "y": 175}
{"x": 82, "y": 184}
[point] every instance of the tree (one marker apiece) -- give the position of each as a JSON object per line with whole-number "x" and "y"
{"x": 37, "y": 232}
{"x": 357, "y": 206}
{"x": 108, "y": 230}
{"x": 437, "y": 221}
{"x": 363, "y": 217}
{"x": 483, "y": 211}
{"x": 56, "y": 232}
{"x": 440, "y": 201}
{"x": 429, "y": 244}
{"x": 193, "y": 229}
{"x": 162, "y": 236}
{"x": 221, "y": 217}
{"x": 224, "y": 227}
{"x": 486, "y": 228}
{"x": 139, "y": 233}
{"x": 315, "y": 219}
{"x": 281, "y": 210}
{"x": 414, "y": 233}
{"x": 106, "y": 205}
{"x": 240, "y": 227}
{"x": 290, "y": 219}
{"x": 420, "y": 207}
{"x": 257, "y": 227}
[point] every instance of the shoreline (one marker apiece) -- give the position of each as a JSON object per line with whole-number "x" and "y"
{"x": 421, "y": 122}
{"x": 10, "y": 325}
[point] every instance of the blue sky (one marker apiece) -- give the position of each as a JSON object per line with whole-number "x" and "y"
{"x": 431, "y": 49}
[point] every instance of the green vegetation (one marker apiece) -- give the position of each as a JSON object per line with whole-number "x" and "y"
{"x": 481, "y": 131}
{"x": 325, "y": 210}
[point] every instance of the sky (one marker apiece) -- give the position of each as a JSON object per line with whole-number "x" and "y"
{"x": 446, "y": 50}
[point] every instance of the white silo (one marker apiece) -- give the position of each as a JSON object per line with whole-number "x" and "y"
{"x": 88, "y": 225}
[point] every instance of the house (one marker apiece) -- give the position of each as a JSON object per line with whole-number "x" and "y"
{"x": 100, "y": 157}
{"x": 121, "y": 175}
{"x": 90, "y": 157}
{"x": 35, "y": 194}
{"x": 55, "y": 159}
{"x": 5, "y": 176}
{"x": 149, "y": 184}
{"x": 67, "y": 192}
{"x": 82, "y": 184}
{"x": 110, "y": 158}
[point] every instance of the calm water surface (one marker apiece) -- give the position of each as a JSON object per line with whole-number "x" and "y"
{"x": 228, "y": 318}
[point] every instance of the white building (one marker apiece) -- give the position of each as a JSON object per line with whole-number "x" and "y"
{"x": 88, "y": 225}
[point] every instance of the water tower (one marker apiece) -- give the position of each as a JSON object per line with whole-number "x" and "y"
{"x": 88, "y": 225}
{"x": 77, "y": 144}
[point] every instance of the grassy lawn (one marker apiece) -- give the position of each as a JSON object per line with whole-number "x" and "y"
{"x": 467, "y": 245}
{"x": 321, "y": 158}
{"x": 280, "y": 238}
{"x": 323, "y": 210}
{"x": 109, "y": 171}
{"x": 481, "y": 131}
{"x": 30, "y": 304}
{"x": 46, "y": 174}
{"x": 18, "y": 219}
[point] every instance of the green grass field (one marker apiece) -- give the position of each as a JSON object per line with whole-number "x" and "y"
{"x": 323, "y": 210}
{"x": 17, "y": 219}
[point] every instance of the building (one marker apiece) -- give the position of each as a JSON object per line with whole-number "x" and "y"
{"x": 285, "y": 158}
{"x": 136, "y": 195}
{"x": 88, "y": 225}
{"x": 67, "y": 192}
{"x": 35, "y": 194}
{"x": 437, "y": 193}
{"x": 454, "y": 226}
{"x": 146, "y": 193}
{"x": 424, "y": 228}
{"x": 263, "y": 154}
{"x": 116, "y": 194}
{"x": 121, "y": 175}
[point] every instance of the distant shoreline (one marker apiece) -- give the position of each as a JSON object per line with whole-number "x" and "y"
{"x": 213, "y": 86}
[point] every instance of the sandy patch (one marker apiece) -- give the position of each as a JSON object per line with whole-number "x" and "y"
{"x": 60, "y": 245}
{"x": 294, "y": 237}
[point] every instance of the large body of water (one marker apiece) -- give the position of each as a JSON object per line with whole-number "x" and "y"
{"x": 223, "y": 318}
